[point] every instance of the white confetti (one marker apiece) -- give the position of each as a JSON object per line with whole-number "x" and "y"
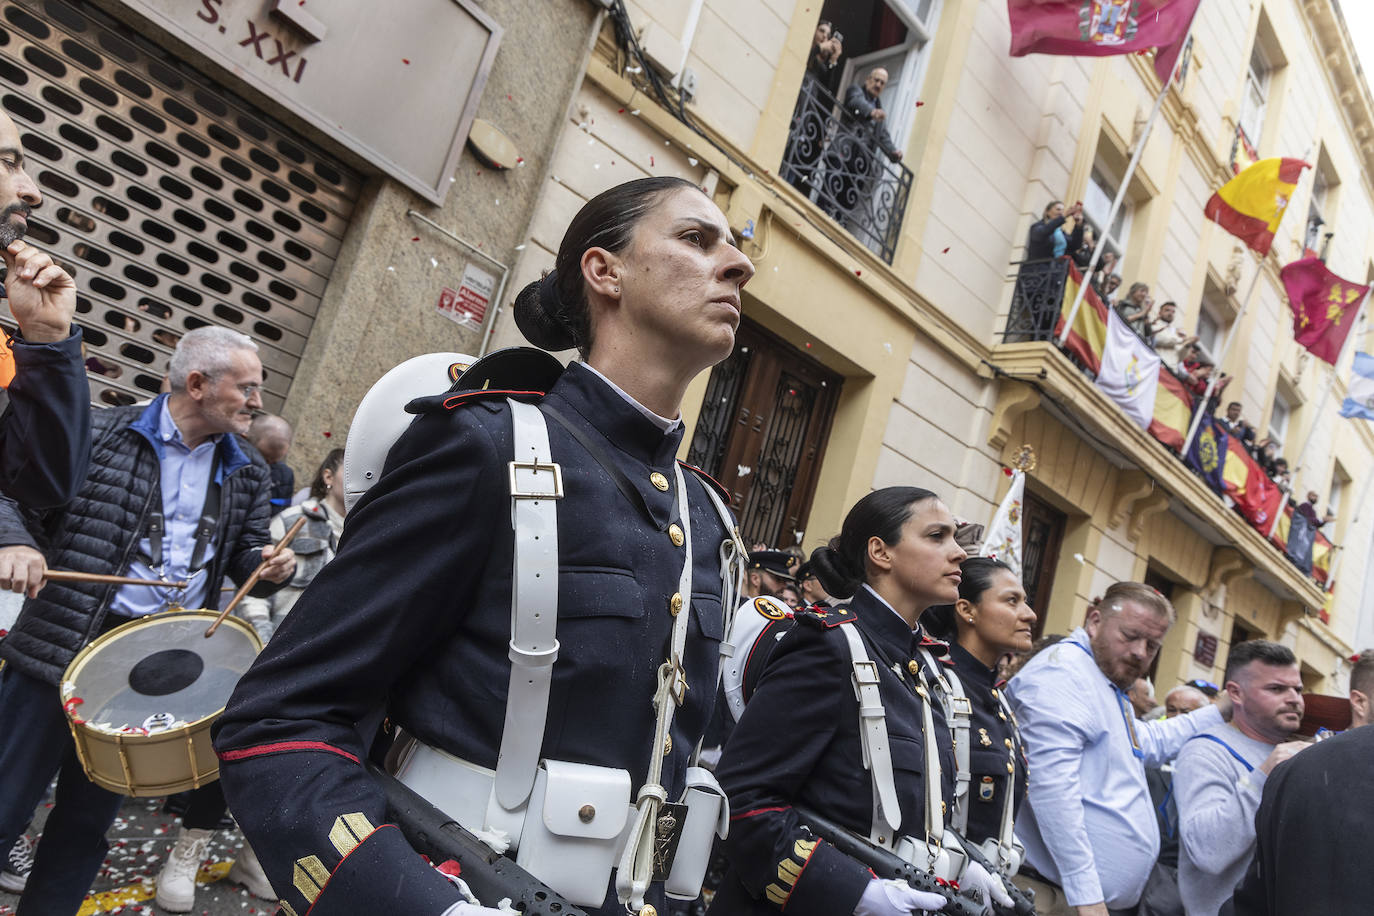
{"x": 634, "y": 69}
{"x": 744, "y": 471}
{"x": 1080, "y": 558}
{"x": 888, "y": 347}
{"x": 392, "y": 269}
{"x": 635, "y": 112}
{"x": 452, "y": 180}
{"x": 691, "y": 161}
{"x": 498, "y": 201}
{"x": 591, "y": 142}
{"x": 433, "y": 262}
{"x": 519, "y": 247}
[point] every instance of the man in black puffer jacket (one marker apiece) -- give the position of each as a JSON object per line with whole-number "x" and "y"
{"x": 171, "y": 493}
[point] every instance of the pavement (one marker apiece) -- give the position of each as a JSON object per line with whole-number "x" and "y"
{"x": 139, "y": 841}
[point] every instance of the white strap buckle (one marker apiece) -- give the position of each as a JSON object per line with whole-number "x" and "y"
{"x": 534, "y": 467}
{"x": 960, "y": 706}
{"x": 865, "y": 673}
{"x": 534, "y": 659}
{"x": 677, "y": 687}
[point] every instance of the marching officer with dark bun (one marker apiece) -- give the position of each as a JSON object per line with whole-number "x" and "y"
{"x": 843, "y": 722}
{"x": 990, "y": 619}
{"x": 556, "y": 530}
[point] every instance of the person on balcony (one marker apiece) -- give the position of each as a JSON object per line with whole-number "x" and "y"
{"x": 1166, "y": 337}
{"x": 863, "y": 104}
{"x": 815, "y": 102}
{"x": 1236, "y": 426}
{"x": 1134, "y": 307}
{"x": 1047, "y": 238}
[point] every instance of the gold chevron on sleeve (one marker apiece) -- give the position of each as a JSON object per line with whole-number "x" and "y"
{"x": 309, "y": 877}
{"x": 777, "y": 894}
{"x": 789, "y": 871}
{"x": 803, "y": 849}
{"x": 348, "y": 831}
{"x": 286, "y": 908}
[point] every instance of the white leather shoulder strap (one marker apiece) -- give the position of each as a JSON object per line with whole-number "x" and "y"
{"x": 536, "y": 485}
{"x": 877, "y": 750}
{"x": 959, "y": 713}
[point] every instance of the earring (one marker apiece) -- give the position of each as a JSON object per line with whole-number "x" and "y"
{"x": 617, "y": 289}
{"x": 969, "y": 619}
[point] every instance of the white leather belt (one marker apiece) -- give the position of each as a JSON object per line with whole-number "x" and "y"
{"x": 887, "y": 812}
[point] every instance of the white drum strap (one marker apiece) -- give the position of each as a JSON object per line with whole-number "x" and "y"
{"x": 536, "y": 485}
{"x": 636, "y": 868}
{"x": 959, "y": 712}
{"x": 887, "y": 812}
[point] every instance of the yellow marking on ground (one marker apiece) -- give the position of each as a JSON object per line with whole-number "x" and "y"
{"x": 106, "y": 901}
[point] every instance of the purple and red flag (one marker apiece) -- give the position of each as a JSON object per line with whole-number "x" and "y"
{"x": 1324, "y": 307}
{"x": 1099, "y": 28}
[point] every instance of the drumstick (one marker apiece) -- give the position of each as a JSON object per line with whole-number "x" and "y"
{"x": 253, "y": 579}
{"x": 68, "y": 575}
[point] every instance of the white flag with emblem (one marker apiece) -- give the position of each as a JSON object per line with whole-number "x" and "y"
{"x": 1130, "y": 371}
{"x": 1003, "y": 539}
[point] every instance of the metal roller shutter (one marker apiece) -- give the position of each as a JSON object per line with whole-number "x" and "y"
{"x": 175, "y": 202}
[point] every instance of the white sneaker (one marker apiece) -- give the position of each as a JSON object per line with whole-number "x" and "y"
{"x": 248, "y": 872}
{"x": 176, "y": 883}
{"x": 15, "y": 875}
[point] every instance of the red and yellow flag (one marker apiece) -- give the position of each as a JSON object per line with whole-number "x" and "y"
{"x": 1257, "y": 497}
{"x": 1088, "y": 336}
{"x": 1173, "y": 410}
{"x": 1251, "y": 205}
{"x": 6, "y": 360}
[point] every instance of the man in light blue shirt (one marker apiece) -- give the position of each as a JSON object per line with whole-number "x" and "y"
{"x": 1089, "y": 828}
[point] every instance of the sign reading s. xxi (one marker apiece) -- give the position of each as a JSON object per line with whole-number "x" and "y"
{"x": 396, "y": 83}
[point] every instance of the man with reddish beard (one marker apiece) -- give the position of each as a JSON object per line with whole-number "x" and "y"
{"x": 1088, "y": 828}
{"x": 1220, "y": 775}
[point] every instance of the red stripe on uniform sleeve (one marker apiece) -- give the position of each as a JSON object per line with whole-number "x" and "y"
{"x": 282, "y": 747}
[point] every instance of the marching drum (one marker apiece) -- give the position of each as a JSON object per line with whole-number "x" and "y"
{"x": 140, "y": 700}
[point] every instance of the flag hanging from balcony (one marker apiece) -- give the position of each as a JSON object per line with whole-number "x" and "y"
{"x": 1257, "y": 497}
{"x": 1302, "y": 536}
{"x": 1173, "y": 410}
{"x": 1359, "y": 394}
{"x": 1099, "y": 28}
{"x": 1003, "y": 539}
{"x": 1088, "y": 336}
{"x": 1324, "y": 307}
{"x": 1251, "y": 205}
{"x": 1207, "y": 454}
{"x": 1130, "y": 371}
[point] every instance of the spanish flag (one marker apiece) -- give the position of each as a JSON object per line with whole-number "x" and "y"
{"x": 1257, "y": 497}
{"x": 1088, "y": 336}
{"x": 1251, "y": 205}
{"x": 1173, "y": 410}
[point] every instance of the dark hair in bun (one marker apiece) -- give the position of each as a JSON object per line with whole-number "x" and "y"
{"x": 553, "y": 313}
{"x": 976, "y": 574}
{"x": 842, "y": 565}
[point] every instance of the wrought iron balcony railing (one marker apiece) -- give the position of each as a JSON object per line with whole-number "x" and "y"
{"x": 1036, "y": 301}
{"x": 836, "y": 161}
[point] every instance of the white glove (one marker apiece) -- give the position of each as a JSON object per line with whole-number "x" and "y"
{"x": 462, "y": 908}
{"x": 988, "y": 886}
{"x": 896, "y": 898}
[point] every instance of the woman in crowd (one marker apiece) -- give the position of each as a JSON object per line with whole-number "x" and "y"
{"x": 990, "y": 619}
{"x": 416, "y": 613}
{"x": 318, "y": 540}
{"x": 800, "y": 741}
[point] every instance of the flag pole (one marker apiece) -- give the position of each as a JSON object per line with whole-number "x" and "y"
{"x": 1231, "y": 336}
{"x": 1120, "y": 196}
{"x": 1316, "y": 418}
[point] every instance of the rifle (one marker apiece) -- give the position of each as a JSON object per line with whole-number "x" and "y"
{"x": 886, "y": 864}
{"x": 490, "y": 875}
{"x": 1023, "y": 901}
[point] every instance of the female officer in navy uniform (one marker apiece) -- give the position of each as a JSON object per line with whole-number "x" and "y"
{"x": 414, "y": 615}
{"x": 799, "y": 741}
{"x": 990, "y": 619}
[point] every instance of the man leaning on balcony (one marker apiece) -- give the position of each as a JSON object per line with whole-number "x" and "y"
{"x": 863, "y": 102}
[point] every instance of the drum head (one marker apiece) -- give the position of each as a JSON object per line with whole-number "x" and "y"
{"x": 159, "y": 673}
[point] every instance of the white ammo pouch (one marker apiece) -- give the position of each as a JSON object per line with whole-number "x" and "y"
{"x": 571, "y": 824}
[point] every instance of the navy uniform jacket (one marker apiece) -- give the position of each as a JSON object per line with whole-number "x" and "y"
{"x": 414, "y": 612}
{"x": 995, "y": 741}
{"x": 45, "y": 434}
{"x": 798, "y": 744}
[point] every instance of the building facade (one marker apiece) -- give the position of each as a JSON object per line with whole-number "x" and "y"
{"x": 191, "y": 182}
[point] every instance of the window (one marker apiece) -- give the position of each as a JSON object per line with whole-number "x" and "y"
{"x": 1097, "y": 203}
{"x": 894, "y": 35}
{"x": 1278, "y": 420}
{"x": 1255, "y": 96}
{"x": 1208, "y": 331}
{"x": 1213, "y": 319}
{"x": 1321, "y": 210}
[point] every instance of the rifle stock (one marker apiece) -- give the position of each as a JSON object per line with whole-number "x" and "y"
{"x": 490, "y": 876}
{"x": 886, "y": 864}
